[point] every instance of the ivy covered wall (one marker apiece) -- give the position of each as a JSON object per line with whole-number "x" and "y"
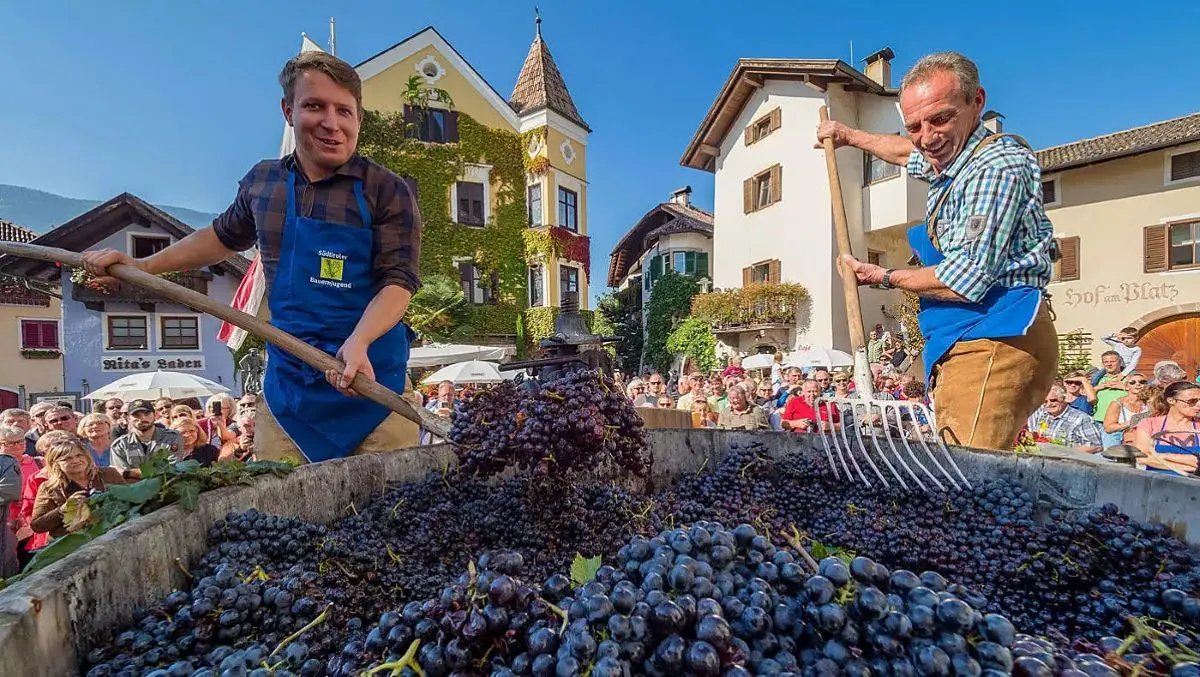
{"x": 499, "y": 246}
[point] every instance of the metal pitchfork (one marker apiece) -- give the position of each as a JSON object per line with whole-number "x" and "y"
{"x": 892, "y": 426}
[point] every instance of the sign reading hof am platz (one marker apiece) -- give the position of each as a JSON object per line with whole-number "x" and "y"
{"x": 156, "y": 363}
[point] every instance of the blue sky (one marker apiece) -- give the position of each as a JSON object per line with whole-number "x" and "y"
{"x": 174, "y": 101}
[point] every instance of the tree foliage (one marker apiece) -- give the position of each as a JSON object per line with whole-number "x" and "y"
{"x": 438, "y": 311}
{"x": 618, "y": 315}
{"x": 670, "y": 302}
{"x": 694, "y": 339}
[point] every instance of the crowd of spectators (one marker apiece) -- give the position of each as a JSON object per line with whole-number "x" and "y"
{"x": 53, "y": 458}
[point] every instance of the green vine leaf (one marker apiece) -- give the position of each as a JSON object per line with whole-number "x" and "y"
{"x": 583, "y": 570}
{"x": 670, "y": 302}
{"x": 138, "y": 492}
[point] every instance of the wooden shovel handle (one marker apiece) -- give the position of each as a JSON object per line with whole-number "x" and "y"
{"x": 842, "y": 229}
{"x": 314, "y": 357}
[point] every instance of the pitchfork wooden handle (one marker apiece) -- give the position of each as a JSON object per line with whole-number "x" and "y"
{"x": 842, "y": 229}
{"x": 314, "y": 357}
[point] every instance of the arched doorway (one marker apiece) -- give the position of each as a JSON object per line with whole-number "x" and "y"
{"x": 1175, "y": 338}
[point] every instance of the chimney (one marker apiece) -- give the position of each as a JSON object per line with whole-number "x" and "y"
{"x": 992, "y": 121}
{"x": 682, "y": 196}
{"x": 879, "y": 66}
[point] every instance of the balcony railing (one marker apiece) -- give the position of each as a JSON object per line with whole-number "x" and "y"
{"x": 84, "y": 292}
{"x": 755, "y": 305}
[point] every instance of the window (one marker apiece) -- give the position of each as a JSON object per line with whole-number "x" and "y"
{"x": 568, "y": 209}
{"x": 763, "y": 189}
{"x": 39, "y": 334}
{"x": 1066, "y": 268}
{"x": 568, "y": 283}
{"x": 431, "y": 125}
{"x": 141, "y": 246}
{"x": 180, "y": 333}
{"x": 535, "y": 205}
{"x": 1050, "y": 192}
{"x": 1185, "y": 166}
{"x": 655, "y": 266}
{"x": 876, "y": 170}
{"x": 127, "y": 332}
{"x": 1185, "y": 245}
{"x": 763, "y": 272}
{"x": 760, "y": 272}
{"x": 476, "y": 288}
{"x": 470, "y": 203}
{"x": 874, "y": 258}
{"x": 762, "y": 127}
{"x": 694, "y": 264}
{"x": 537, "y": 281}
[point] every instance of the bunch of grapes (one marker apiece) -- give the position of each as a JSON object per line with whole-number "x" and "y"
{"x": 580, "y": 421}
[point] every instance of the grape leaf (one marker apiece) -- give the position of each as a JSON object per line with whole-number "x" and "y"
{"x": 56, "y": 550}
{"x": 188, "y": 467}
{"x": 156, "y": 464}
{"x": 138, "y": 492}
{"x": 583, "y": 570}
{"x": 188, "y": 492}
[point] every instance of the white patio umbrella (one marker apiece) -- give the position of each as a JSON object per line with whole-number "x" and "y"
{"x": 758, "y": 361}
{"x": 820, "y": 357}
{"x": 471, "y": 371}
{"x": 438, "y": 354}
{"x": 149, "y": 385}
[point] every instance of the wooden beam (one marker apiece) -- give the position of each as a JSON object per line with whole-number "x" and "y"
{"x": 754, "y": 80}
{"x": 709, "y": 149}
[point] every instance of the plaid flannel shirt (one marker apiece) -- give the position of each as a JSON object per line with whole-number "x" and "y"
{"x": 992, "y": 227}
{"x": 1072, "y": 428}
{"x": 257, "y": 214}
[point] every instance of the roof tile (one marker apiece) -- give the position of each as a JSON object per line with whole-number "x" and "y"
{"x": 1121, "y": 144}
{"x": 540, "y": 85}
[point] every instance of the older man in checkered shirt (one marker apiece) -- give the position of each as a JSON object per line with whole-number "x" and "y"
{"x": 985, "y": 254}
{"x": 1060, "y": 423}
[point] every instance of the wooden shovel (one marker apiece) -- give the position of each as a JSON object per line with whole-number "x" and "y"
{"x": 316, "y": 358}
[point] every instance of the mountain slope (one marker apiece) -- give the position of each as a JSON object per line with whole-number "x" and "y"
{"x": 40, "y": 211}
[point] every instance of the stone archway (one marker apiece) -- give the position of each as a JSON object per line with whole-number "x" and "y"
{"x": 1170, "y": 334}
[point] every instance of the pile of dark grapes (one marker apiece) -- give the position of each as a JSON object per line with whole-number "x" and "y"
{"x": 580, "y": 421}
{"x": 678, "y": 593}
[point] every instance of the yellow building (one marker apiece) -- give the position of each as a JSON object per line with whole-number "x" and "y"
{"x": 540, "y": 116}
{"x": 30, "y": 336}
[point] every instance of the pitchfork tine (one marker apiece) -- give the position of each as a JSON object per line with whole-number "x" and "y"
{"x": 850, "y": 447}
{"x": 942, "y": 445}
{"x": 904, "y": 441}
{"x": 933, "y": 457}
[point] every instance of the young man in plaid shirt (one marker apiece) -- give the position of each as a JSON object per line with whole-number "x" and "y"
{"x": 985, "y": 254}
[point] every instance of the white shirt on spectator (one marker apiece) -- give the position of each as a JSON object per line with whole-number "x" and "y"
{"x": 1129, "y": 355}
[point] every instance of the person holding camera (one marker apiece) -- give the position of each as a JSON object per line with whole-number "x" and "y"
{"x": 72, "y": 477}
{"x": 1081, "y": 394}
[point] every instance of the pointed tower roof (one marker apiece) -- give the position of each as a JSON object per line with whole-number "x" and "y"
{"x": 540, "y": 85}
{"x": 288, "y": 143}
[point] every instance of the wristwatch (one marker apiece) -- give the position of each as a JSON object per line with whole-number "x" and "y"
{"x": 887, "y": 279}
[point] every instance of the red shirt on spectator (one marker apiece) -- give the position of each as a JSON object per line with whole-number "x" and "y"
{"x": 798, "y": 408}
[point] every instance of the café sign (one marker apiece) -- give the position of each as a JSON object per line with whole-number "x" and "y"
{"x": 125, "y": 364}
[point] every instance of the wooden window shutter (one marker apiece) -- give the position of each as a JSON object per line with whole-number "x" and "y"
{"x": 776, "y": 118}
{"x": 1066, "y": 269}
{"x": 749, "y": 134}
{"x": 748, "y": 195}
{"x": 776, "y": 183}
{"x": 1154, "y": 248}
{"x": 773, "y": 271}
{"x": 747, "y": 275}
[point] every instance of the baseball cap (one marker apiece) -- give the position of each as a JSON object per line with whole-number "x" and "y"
{"x": 140, "y": 405}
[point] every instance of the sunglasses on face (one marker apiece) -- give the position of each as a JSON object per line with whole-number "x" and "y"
{"x": 1191, "y": 402}
{"x": 1138, "y": 382}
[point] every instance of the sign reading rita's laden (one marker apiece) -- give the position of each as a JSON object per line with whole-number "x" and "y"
{"x": 1125, "y": 292}
{"x": 164, "y": 363}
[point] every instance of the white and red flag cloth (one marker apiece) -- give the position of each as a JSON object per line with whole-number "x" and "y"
{"x": 248, "y": 298}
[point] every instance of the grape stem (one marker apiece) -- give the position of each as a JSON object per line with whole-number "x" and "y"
{"x": 794, "y": 541}
{"x": 560, "y": 612}
{"x": 179, "y": 563}
{"x": 296, "y": 635}
{"x": 408, "y": 660}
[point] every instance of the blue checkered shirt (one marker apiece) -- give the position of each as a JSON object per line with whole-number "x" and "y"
{"x": 1072, "y": 428}
{"x": 1009, "y": 240}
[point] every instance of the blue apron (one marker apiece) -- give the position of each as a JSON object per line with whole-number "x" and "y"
{"x": 1173, "y": 448}
{"x": 322, "y": 286}
{"x": 1003, "y": 312}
